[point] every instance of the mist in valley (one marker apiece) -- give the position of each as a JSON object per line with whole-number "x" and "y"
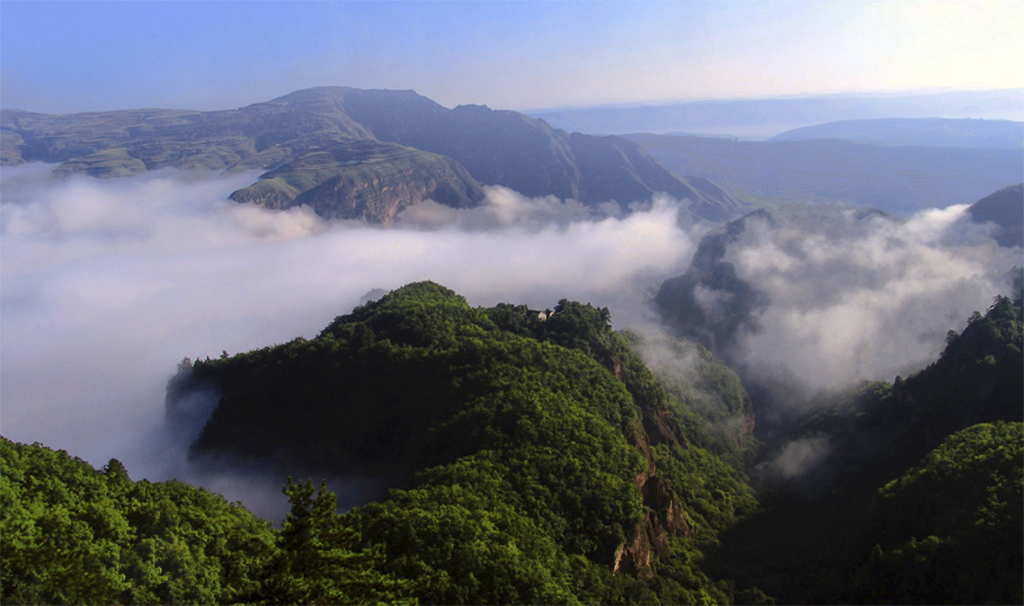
{"x": 856, "y": 295}
{"x": 108, "y": 284}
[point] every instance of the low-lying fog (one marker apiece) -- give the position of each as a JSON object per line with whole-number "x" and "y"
{"x": 863, "y": 295}
{"x": 107, "y": 284}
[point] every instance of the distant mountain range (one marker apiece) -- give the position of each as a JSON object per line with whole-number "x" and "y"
{"x": 351, "y": 153}
{"x": 763, "y": 118}
{"x": 926, "y": 132}
{"x": 899, "y": 179}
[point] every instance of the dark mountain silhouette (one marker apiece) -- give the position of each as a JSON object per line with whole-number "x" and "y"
{"x": 714, "y": 305}
{"x": 716, "y": 323}
{"x": 1005, "y": 209}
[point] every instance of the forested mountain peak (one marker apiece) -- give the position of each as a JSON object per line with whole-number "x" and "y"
{"x": 546, "y": 420}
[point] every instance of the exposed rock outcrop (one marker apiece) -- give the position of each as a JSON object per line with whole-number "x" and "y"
{"x": 358, "y": 179}
{"x": 649, "y": 539}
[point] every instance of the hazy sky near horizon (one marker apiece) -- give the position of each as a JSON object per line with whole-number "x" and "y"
{"x": 90, "y": 56}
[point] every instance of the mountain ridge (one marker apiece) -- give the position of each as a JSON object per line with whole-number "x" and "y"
{"x": 930, "y": 132}
{"x": 529, "y": 422}
{"x": 551, "y": 467}
{"x": 897, "y": 179}
{"x": 756, "y": 119}
{"x": 447, "y": 155}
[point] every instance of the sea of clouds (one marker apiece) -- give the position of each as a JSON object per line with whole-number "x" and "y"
{"x": 106, "y": 284}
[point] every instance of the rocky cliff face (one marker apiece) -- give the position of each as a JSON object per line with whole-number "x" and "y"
{"x": 650, "y": 538}
{"x": 359, "y": 179}
{"x": 511, "y": 149}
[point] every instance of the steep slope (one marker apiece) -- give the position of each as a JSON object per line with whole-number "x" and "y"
{"x": 707, "y": 397}
{"x": 947, "y": 511}
{"x": 538, "y": 459}
{"x": 979, "y": 378}
{"x": 714, "y": 304}
{"x": 360, "y": 179}
{"x": 1004, "y": 209}
{"x": 689, "y": 303}
{"x": 508, "y": 148}
{"x": 963, "y": 547}
{"x": 369, "y": 153}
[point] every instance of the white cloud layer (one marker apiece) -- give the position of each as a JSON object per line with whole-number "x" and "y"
{"x": 856, "y": 296}
{"x": 106, "y": 284}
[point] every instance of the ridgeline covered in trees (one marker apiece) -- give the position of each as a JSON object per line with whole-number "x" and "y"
{"x": 535, "y": 458}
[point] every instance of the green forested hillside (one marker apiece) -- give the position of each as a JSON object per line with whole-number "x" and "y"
{"x": 812, "y": 529}
{"x": 544, "y": 462}
{"x": 950, "y": 529}
{"x": 536, "y": 459}
{"x": 75, "y": 535}
{"x": 979, "y": 378}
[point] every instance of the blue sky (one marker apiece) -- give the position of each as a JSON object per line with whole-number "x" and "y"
{"x": 85, "y": 56}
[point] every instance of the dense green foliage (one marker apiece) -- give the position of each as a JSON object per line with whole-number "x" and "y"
{"x": 979, "y": 378}
{"x": 320, "y": 560}
{"x": 814, "y": 529}
{"x": 964, "y": 546}
{"x": 706, "y": 396}
{"x": 75, "y": 535}
{"x": 528, "y": 444}
{"x": 537, "y": 459}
